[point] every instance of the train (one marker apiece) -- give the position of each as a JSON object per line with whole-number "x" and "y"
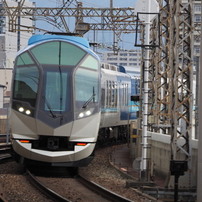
{"x": 63, "y": 98}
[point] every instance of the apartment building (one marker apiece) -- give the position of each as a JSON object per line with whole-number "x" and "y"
{"x": 197, "y": 31}
{"x": 10, "y": 42}
{"x": 123, "y": 58}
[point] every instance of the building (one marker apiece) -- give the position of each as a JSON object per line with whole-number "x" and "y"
{"x": 197, "y": 30}
{"x": 123, "y": 58}
{"x": 10, "y": 42}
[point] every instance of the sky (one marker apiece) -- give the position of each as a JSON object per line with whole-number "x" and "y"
{"x": 90, "y": 3}
{"x": 105, "y": 37}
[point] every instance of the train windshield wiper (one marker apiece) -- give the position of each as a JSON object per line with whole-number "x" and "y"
{"x": 49, "y": 108}
{"x": 89, "y": 100}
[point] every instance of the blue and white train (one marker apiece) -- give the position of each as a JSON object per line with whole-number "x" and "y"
{"x": 61, "y": 98}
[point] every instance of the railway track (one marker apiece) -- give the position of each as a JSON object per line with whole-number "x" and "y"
{"x": 67, "y": 187}
{"x": 73, "y": 187}
{"x": 5, "y": 155}
{"x": 90, "y": 190}
{"x": 50, "y": 193}
{"x": 5, "y": 152}
{"x": 109, "y": 195}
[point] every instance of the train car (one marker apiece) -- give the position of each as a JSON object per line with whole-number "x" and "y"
{"x": 117, "y": 108}
{"x": 115, "y": 91}
{"x": 55, "y": 103}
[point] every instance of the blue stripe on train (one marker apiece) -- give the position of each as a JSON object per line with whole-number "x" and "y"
{"x": 128, "y": 116}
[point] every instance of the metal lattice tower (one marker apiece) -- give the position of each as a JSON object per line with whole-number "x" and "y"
{"x": 171, "y": 74}
{"x": 160, "y": 68}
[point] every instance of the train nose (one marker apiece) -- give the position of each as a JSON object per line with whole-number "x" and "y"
{"x": 62, "y": 131}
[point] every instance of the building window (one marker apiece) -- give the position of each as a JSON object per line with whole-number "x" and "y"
{"x": 132, "y": 54}
{"x": 197, "y": 18}
{"x": 132, "y": 64}
{"x": 2, "y": 24}
{"x": 123, "y": 64}
{"x": 133, "y": 59}
{"x": 123, "y": 59}
{"x": 197, "y": 38}
{"x": 110, "y": 59}
{"x": 110, "y": 54}
{"x": 123, "y": 54}
{"x": 197, "y": 49}
{"x": 197, "y": 8}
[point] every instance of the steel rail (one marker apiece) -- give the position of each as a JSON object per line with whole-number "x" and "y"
{"x": 112, "y": 196}
{"x": 105, "y": 193}
{"x": 45, "y": 190}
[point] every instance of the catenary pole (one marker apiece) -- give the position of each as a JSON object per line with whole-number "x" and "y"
{"x": 147, "y": 10}
{"x": 144, "y": 159}
{"x": 199, "y": 174}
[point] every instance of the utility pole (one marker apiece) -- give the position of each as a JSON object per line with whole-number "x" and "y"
{"x": 146, "y": 9}
{"x": 145, "y": 145}
{"x": 18, "y": 31}
{"x": 199, "y": 181}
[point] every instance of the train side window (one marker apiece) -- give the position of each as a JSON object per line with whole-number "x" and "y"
{"x": 115, "y": 94}
{"x": 126, "y": 95}
{"x": 24, "y": 59}
{"x": 87, "y": 83}
{"x": 123, "y": 94}
{"x": 103, "y": 97}
{"x": 90, "y": 62}
{"x": 110, "y": 94}
{"x": 26, "y": 84}
{"x": 107, "y": 97}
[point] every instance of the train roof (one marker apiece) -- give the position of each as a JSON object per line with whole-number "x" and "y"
{"x": 40, "y": 38}
{"x": 79, "y": 41}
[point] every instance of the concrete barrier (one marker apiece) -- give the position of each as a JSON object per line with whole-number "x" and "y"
{"x": 161, "y": 155}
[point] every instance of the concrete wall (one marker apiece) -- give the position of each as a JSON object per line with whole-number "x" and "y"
{"x": 6, "y": 78}
{"x": 160, "y": 155}
{"x": 160, "y": 158}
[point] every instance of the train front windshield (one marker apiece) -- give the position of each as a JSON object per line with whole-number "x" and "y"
{"x": 55, "y": 81}
{"x": 55, "y": 94}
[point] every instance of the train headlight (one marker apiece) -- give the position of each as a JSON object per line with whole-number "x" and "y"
{"x": 85, "y": 113}
{"x": 88, "y": 113}
{"x": 81, "y": 115}
{"x": 21, "y": 109}
{"x": 28, "y": 112}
